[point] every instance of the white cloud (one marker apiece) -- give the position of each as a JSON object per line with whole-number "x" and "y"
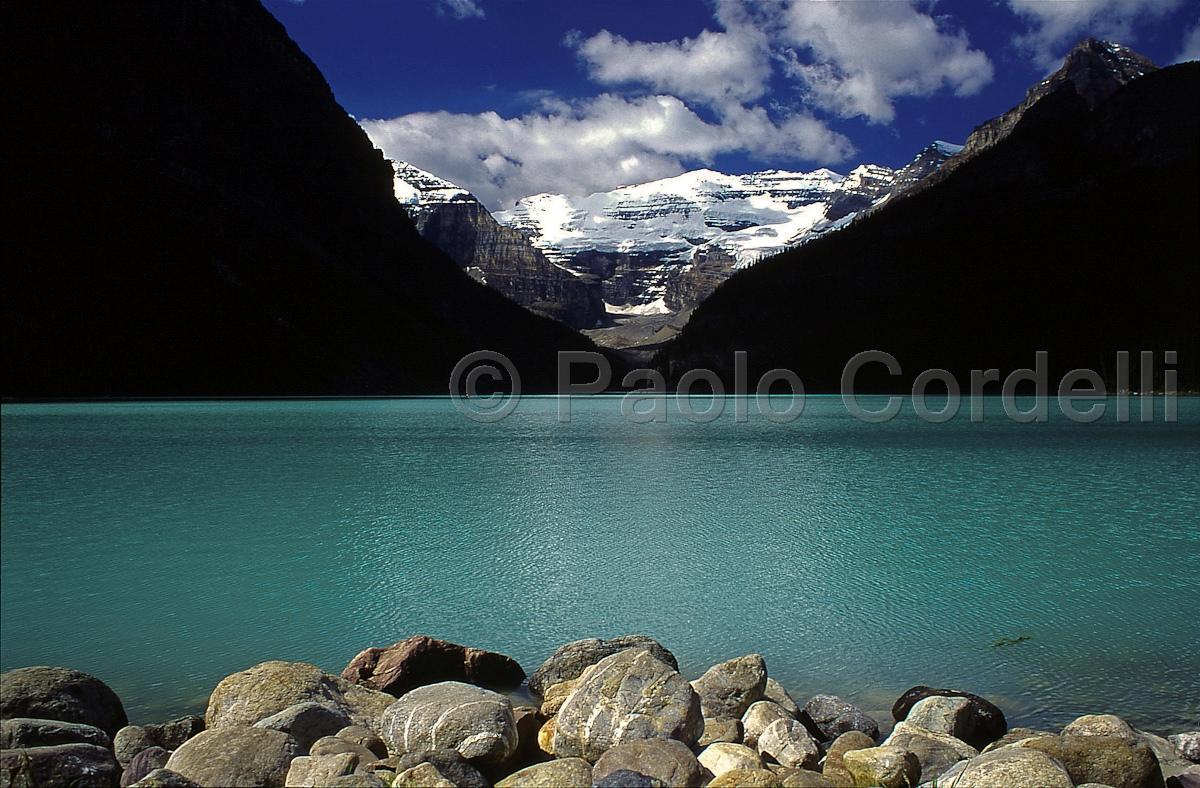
{"x": 1191, "y": 46}
{"x": 855, "y": 58}
{"x": 593, "y": 145}
{"x": 461, "y": 9}
{"x": 1057, "y": 24}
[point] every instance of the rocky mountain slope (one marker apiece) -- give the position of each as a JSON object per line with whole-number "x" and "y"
{"x": 188, "y": 211}
{"x": 500, "y": 257}
{"x": 1075, "y": 233}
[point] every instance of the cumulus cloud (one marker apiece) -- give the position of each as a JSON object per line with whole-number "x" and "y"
{"x": 855, "y": 58}
{"x": 592, "y": 145}
{"x": 461, "y": 9}
{"x": 1191, "y": 46}
{"x": 1057, "y": 24}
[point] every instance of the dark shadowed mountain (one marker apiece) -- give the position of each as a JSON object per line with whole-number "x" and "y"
{"x": 188, "y": 211}
{"x": 1076, "y": 234}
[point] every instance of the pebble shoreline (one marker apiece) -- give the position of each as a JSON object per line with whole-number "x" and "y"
{"x": 606, "y": 713}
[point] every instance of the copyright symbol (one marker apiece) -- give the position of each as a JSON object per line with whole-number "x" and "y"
{"x": 464, "y": 386}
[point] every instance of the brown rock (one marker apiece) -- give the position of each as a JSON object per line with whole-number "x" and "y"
{"x": 424, "y": 660}
{"x": 720, "y": 729}
{"x": 236, "y": 756}
{"x": 1111, "y": 760}
{"x": 667, "y": 760}
{"x": 885, "y": 767}
{"x": 747, "y": 778}
{"x": 553, "y": 774}
{"x": 835, "y": 769}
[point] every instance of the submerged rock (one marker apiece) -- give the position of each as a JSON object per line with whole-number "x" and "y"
{"x": 61, "y": 694}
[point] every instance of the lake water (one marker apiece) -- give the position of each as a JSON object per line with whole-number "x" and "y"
{"x": 163, "y": 546}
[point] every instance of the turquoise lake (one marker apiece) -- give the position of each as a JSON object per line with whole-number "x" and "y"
{"x": 162, "y": 546}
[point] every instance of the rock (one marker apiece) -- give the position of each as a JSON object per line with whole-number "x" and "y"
{"x": 146, "y": 761}
{"x": 747, "y": 778}
{"x": 21, "y": 732}
{"x": 164, "y": 778}
{"x": 336, "y": 745}
{"x": 624, "y": 778}
{"x": 357, "y": 734}
{"x": 982, "y": 722}
{"x": 803, "y": 778}
{"x": 939, "y": 714}
{"x": 556, "y": 695}
{"x": 306, "y": 722}
{"x": 1014, "y": 736}
{"x": 788, "y": 742}
{"x": 758, "y": 717}
{"x": 129, "y": 741}
{"x": 74, "y": 765}
{"x": 886, "y": 767}
{"x": 936, "y": 752}
{"x": 570, "y": 661}
{"x": 834, "y": 716}
{"x": 170, "y": 735}
{"x": 625, "y": 697}
{"x": 834, "y": 767}
{"x": 1010, "y": 767}
{"x": 1188, "y": 745}
{"x": 545, "y": 737}
{"x": 357, "y": 780}
{"x": 666, "y": 760}
{"x": 1111, "y": 760}
{"x": 270, "y": 687}
{"x": 1190, "y": 778}
{"x": 477, "y": 722}
{"x": 424, "y": 660}
{"x": 1101, "y": 725}
{"x": 423, "y": 775}
{"x": 449, "y": 762}
{"x": 722, "y": 757}
{"x": 238, "y": 755}
{"x": 775, "y": 693}
{"x": 61, "y": 694}
{"x": 554, "y": 774}
{"x": 720, "y": 729}
{"x": 729, "y": 688}
{"x": 1168, "y": 756}
{"x": 529, "y": 721}
{"x": 315, "y": 771}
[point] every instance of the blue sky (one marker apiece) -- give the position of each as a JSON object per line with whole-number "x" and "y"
{"x": 510, "y": 98}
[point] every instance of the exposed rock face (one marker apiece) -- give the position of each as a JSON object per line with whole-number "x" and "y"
{"x": 477, "y": 722}
{"x": 759, "y": 717}
{"x": 498, "y": 256}
{"x": 571, "y": 660}
{"x": 628, "y": 696}
{"x": 449, "y": 762}
{"x": 61, "y": 694}
{"x": 237, "y": 755}
{"x": 424, "y": 660}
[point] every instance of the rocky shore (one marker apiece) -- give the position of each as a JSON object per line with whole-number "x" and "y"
{"x": 609, "y": 713}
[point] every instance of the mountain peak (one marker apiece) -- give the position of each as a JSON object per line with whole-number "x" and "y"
{"x": 1096, "y": 68}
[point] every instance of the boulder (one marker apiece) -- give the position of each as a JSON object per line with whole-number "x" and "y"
{"x": 1188, "y": 745}
{"x": 1010, "y": 767}
{"x": 758, "y": 717}
{"x": 804, "y": 778}
{"x": 423, "y": 660}
{"x": 570, "y": 661}
{"x": 789, "y": 744}
{"x": 477, "y": 722}
{"x": 449, "y": 762}
{"x": 1169, "y": 759}
{"x": 982, "y": 721}
{"x": 75, "y": 765}
{"x": 1101, "y": 725}
{"x": 170, "y": 735}
{"x": 336, "y": 745}
{"x": 423, "y": 775}
{"x": 529, "y": 721}
{"x": 624, "y": 778}
{"x": 21, "y": 732}
{"x": 722, "y": 757}
{"x": 306, "y": 722}
{"x": 1111, "y": 760}
{"x": 834, "y": 716}
{"x": 363, "y": 737}
{"x": 625, "y": 697}
{"x": 729, "y": 688}
{"x": 316, "y": 771}
{"x": 1189, "y": 778}
{"x": 545, "y": 737}
{"x": 146, "y": 761}
{"x": 834, "y": 767}
{"x": 556, "y": 695}
{"x": 720, "y": 729}
{"x": 885, "y": 767}
{"x": 553, "y": 774}
{"x": 61, "y": 694}
{"x": 270, "y": 687}
{"x": 747, "y": 778}
{"x": 936, "y": 752}
{"x": 131, "y": 740}
{"x": 238, "y": 755}
{"x": 670, "y": 761}
{"x": 775, "y": 693}
{"x": 361, "y": 780}
{"x": 164, "y": 778}
{"x": 1015, "y": 736}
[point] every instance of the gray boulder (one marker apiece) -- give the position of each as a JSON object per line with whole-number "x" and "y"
{"x": 1189, "y": 778}
{"x": 170, "y": 735}
{"x": 553, "y": 774}
{"x": 1015, "y": 736}
{"x": 936, "y": 752}
{"x": 569, "y": 661}
{"x": 627, "y": 778}
{"x": 61, "y": 694}
{"x": 357, "y": 734}
{"x": 1008, "y": 767}
{"x": 131, "y": 740}
{"x": 667, "y": 760}
{"x": 834, "y": 716}
{"x": 1111, "y": 760}
{"x": 729, "y": 688}
{"x": 720, "y": 729}
{"x": 59, "y": 766}
{"x": 477, "y": 722}
{"x": 1188, "y": 745}
{"x": 306, "y": 722}
{"x": 336, "y": 745}
{"x": 1101, "y": 725}
{"x": 789, "y": 744}
{"x": 21, "y": 732}
{"x": 423, "y": 775}
{"x": 236, "y": 756}
{"x": 981, "y": 721}
{"x": 317, "y": 771}
{"x": 758, "y": 717}
{"x": 449, "y": 762}
{"x": 146, "y": 761}
{"x": 775, "y": 692}
{"x": 164, "y": 778}
{"x": 625, "y": 697}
